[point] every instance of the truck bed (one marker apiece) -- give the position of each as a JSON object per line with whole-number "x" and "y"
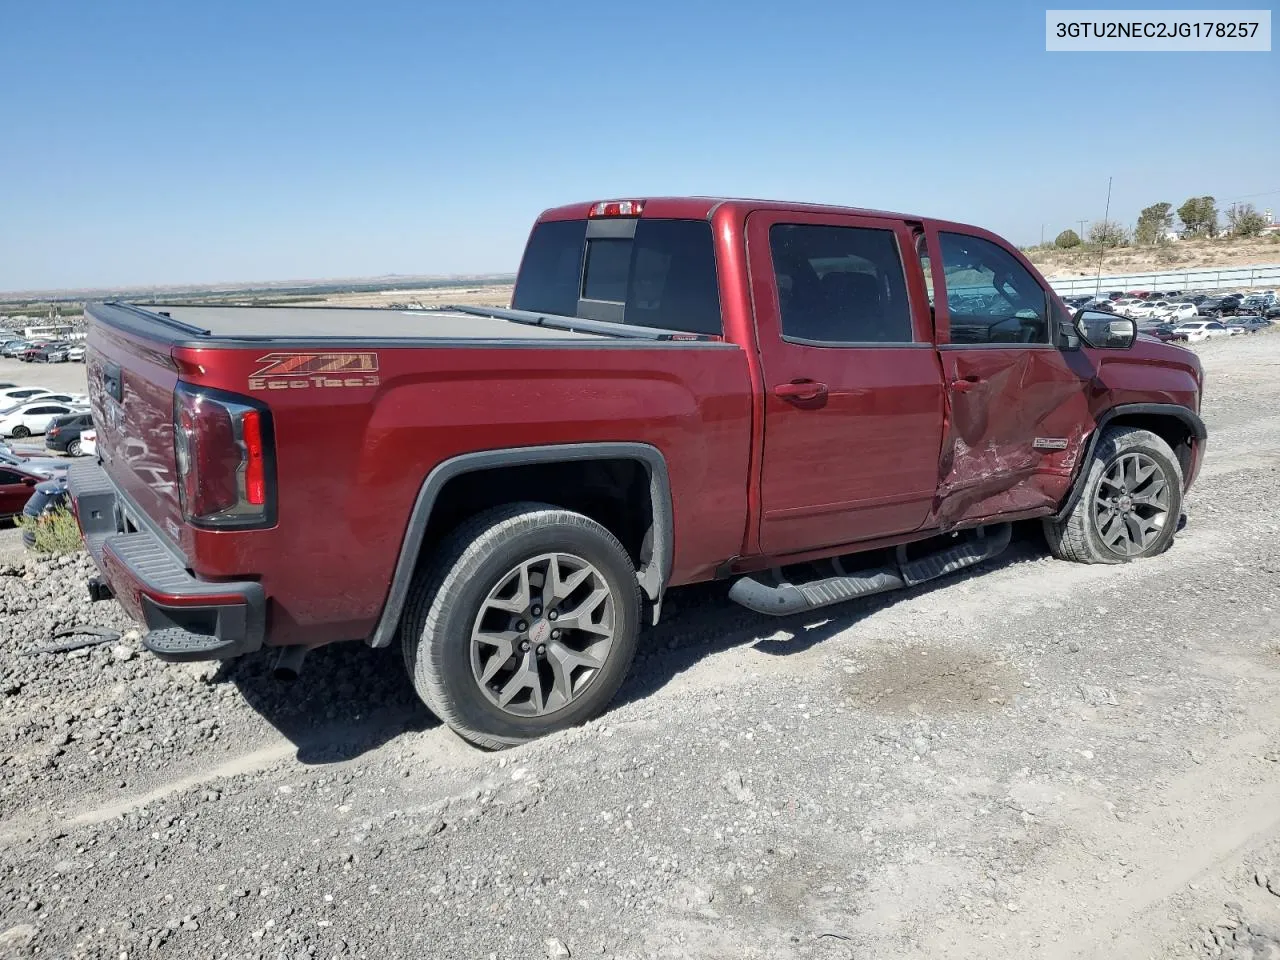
{"x": 252, "y": 323}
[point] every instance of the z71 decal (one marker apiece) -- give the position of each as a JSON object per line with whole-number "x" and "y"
{"x": 303, "y": 371}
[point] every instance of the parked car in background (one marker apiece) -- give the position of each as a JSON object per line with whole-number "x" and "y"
{"x": 1257, "y": 302}
{"x": 1197, "y": 330}
{"x": 1247, "y": 324}
{"x": 64, "y": 433}
{"x": 1122, "y": 306}
{"x": 1165, "y": 332}
{"x": 89, "y": 443}
{"x": 74, "y": 399}
{"x": 75, "y": 354}
{"x": 34, "y": 417}
{"x": 45, "y": 466}
{"x": 13, "y": 395}
{"x": 1217, "y": 306}
{"x": 46, "y": 497}
{"x": 16, "y": 486}
{"x": 9, "y": 348}
{"x": 1147, "y": 309}
{"x": 54, "y": 352}
{"x": 1177, "y": 312}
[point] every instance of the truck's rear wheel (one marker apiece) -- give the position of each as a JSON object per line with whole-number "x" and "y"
{"x": 1130, "y": 505}
{"x": 525, "y": 623}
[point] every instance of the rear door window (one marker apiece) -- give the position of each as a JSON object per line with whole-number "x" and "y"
{"x": 664, "y": 276}
{"x": 839, "y": 285}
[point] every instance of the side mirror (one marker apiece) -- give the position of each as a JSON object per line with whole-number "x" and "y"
{"x": 29, "y": 481}
{"x": 1105, "y": 330}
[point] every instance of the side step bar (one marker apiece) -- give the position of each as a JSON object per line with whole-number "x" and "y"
{"x": 787, "y": 598}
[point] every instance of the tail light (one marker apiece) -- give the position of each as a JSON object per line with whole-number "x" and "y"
{"x": 225, "y": 451}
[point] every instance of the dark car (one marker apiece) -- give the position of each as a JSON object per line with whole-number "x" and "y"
{"x": 16, "y": 486}
{"x": 45, "y": 498}
{"x": 1250, "y": 324}
{"x": 1165, "y": 332}
{"x": 64, "y": 433}
{"x": 1218, "y": 307}
{"x": 1273, "y": 310}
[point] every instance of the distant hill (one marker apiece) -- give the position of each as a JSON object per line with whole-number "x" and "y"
{"x": 275, "y": 288}
{"x": 1172, "y": 256}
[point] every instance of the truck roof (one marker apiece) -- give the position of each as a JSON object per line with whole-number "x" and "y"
{"x": 700, "y": 208}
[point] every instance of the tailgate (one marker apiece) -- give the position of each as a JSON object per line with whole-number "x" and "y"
{"x": 131, "y": 381}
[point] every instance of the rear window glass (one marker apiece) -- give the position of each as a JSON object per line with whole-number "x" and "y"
{"x": 664, "y": 277}
{"x": 552, "y": 268}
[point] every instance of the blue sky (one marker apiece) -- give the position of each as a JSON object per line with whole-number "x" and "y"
{"x": 174, "y": 142}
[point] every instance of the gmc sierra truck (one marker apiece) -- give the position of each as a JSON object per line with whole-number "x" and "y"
{"x": 816, "y": 403}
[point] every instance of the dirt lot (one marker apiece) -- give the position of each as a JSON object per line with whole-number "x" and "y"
{"x": 1042, "y": 760}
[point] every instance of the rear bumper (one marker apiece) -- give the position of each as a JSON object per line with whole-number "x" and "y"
{"x": 186, "y": 618}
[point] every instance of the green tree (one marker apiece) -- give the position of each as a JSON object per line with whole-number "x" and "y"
{"x": 1245, "y": 220}
{"x": 1200, "y": 216}
{"x": 1066, "y": 240}
{"x": 1153, "y": 222}
{"x": 1108, "y": 233}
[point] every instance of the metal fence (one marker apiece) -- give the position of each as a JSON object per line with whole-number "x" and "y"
{"x": 1262, "y": 275}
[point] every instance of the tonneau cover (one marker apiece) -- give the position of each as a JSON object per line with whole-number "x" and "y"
{"x": 254, "y": 322}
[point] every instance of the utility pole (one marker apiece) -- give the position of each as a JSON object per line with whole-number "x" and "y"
{"x": 1042, "y": 234}
{"x": 1102, "y": 247}
{"x": 1082, "y": 223}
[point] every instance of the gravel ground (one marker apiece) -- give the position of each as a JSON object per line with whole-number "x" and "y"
{"x": 1040, "y": 760}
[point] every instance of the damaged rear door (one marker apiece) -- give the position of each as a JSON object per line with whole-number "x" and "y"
{"x": 1018, "y": 406}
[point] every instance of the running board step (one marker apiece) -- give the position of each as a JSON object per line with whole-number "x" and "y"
{"x": 788, "y": 598}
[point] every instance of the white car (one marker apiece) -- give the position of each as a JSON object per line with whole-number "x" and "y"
{"x": 15, "y": 395}
{"x": 76, "y": 354}
{"x": 1147, "y": 309}
{"x": 89, "y": 443}
{"x": 1178, "y": 312}
{"x": 1198, "y": 330}
{"x": 1123, "y": 305}
{"x": 75, "y": 399}
{"x": 35, "y": 417}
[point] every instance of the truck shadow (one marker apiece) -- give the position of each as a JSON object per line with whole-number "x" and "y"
{"x": 348, "y": 700}
{"x": 701, "y": 620}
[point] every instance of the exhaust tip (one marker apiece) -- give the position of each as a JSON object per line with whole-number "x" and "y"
{"x": 289, "y": 664}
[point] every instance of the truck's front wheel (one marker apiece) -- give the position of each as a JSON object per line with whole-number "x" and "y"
{"x": 1130, "y": 505}
{"x": 526, "y": 622}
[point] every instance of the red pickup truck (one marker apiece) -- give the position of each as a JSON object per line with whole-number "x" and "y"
{"x": 813, "y": 402}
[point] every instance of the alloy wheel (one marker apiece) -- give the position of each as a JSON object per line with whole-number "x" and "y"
{"x": 543, "y": 634}
{"x": 1131, "y": 505}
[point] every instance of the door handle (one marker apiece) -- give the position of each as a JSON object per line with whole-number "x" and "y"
{"x": 800, "y": 390}
{"x": 965, "y": 384}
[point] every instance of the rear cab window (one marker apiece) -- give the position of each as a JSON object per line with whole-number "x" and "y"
{"x": 648, "y": 272}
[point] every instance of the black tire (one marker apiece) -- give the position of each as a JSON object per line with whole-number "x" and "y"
{"x": 1078, "y": 537}
{"x": 73, "y": 448}
{"x": 20, "y": 432}
{"x": 447, "y": 597}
